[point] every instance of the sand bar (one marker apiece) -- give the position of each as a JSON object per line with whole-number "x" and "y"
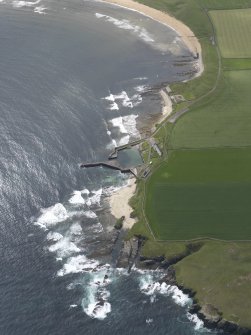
{"x": 183, "y": 31}
{"x": 119, "y": 203}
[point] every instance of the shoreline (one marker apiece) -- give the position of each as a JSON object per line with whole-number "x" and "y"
{"x": 119, "y": 203}
{"x": 184, "y": 32}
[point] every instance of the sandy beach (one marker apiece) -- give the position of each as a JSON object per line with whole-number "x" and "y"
{"x": 183, "y": 31}
{"x": 168, "y": 105}
{"x": 119, "y": 203}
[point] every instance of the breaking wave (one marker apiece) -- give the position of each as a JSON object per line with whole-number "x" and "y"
{"x": 151, "y": 288}
{"x": 142, "y": 33}
{"x": 122, "y": 99}
{"x": 127, "y": 127}
{"x": 21, "y": 3}
{"x": 52, "y": 215}
{"x": 199, "y": 324}
{"x": 40, "y": 10}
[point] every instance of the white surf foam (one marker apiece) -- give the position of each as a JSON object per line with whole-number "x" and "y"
{"x": 178, "y": 296}
{"x": 85, "y": 191}
{"x": 98, "y": 310}
{"x": 141, "y": 78}
{"x": 122, "y": 99}
{"x": 52, "y": 215}
{"x": 76, "y": 229}
{"x": 73, "y": 306}
{"x": 129, "y": 122}
{"x": 118, "y": 122}
{"x": 40, "y": 10}
{"x": 90, "y": 214}
{"x": 141, "y": 32}
{"x": 76, "y": 264}
{"x": 110, "y": 98}
{"x": 97, "y": 228}
{"x": 64, "y": 247}
{"x": 176, "y": 40}
{"x": 148, "y": 321}
{"x": 77, "y": 198}
{"x": 124, "y": 140}
{"x": 141, "y": 88}
{"x": 114, "y": 143}
{"x": 150, "y": 287}
{"x": 112, "y": 189}
{"x": 126, "y": 124}
{"x": 95, "y": 198}
{"x": 95, "y": 303}
{"x": 126, "y": 101}
{"x": 21, "y": 3}
{"x": 54, "y": 236}
{"x": 99, "y": 16}
{"x": 114, "y": 106}
{"x": 127, "y": 127}
{"x": 199, "y": 324}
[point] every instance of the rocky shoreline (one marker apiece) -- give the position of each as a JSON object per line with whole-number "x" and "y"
{"x": 130, "y": 255}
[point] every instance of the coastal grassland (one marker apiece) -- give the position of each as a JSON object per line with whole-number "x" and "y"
{"x": 236, "y": 64}
{"x": 222, "y": 119}
{"x": 225, "y": 4}
{"x": 201, "y": 193}
{"x": 233, "y": 30}
{"x": 220, "y": 274}
{"x": 169, "y": 250}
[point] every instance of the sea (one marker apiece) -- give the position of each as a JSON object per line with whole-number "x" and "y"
{"x": 76, "y": 78}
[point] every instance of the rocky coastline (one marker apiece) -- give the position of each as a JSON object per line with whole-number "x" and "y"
{"x": 130, "y": 255}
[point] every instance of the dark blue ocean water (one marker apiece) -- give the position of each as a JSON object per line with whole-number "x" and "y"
{"x": 71, "y": 78}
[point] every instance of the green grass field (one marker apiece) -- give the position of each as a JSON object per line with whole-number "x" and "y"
{"x": 224, "y": 4}
{"x": 223, "y": 119}
{"x": 220, "y": 273}
{"x": 201, "y": 194}
{"x": 233, "y": 29}
{"x": 236, "y": 64}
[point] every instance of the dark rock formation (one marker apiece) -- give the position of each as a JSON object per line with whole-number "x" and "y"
{"x": 165, "y": 263}
{"x": 130, "y": 252}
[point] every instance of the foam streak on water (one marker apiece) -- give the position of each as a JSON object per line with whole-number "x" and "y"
{"x": 116, "y": 101}
{"x": 125, "y": 24}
